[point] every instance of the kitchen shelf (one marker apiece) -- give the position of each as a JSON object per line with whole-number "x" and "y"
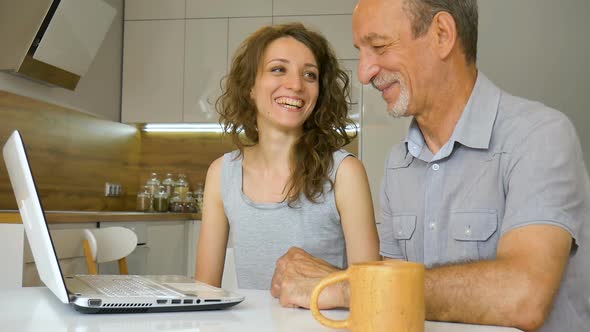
{"x": 58, "y": 217}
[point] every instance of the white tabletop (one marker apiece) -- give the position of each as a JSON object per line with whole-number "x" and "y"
{"x": 37, "y": 309}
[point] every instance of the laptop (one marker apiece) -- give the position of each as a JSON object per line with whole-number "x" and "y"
{"x": 100, "y": 293}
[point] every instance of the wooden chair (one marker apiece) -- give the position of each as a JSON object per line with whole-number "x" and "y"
{"x": 108, "y": 244}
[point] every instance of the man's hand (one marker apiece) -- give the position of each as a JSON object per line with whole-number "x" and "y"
{"x": 297, "y": 273}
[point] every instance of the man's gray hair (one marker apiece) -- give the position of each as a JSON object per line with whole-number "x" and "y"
{"x": 421, "y": 13}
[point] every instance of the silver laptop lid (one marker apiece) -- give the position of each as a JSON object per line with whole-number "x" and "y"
{"x": 32, "y": 215}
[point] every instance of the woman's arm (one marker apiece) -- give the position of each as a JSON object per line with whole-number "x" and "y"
{"x": 214, "y": 230}
{"x": 354, "y": 202}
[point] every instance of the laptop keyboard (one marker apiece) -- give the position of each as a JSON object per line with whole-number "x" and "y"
{"x": 127, "y": 286}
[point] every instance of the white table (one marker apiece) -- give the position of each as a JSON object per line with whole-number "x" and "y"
{"x": 37, "y": 309}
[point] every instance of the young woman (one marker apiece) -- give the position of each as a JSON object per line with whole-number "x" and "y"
{"x": 289, "y": 184}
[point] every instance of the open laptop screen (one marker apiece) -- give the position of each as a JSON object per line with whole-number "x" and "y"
{"x": 31, "y": 211}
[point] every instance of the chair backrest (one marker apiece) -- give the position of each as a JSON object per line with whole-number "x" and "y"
{"x": 108, "y": 244}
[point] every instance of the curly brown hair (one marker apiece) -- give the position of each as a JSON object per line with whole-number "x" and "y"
{"x": 324, "y": 131}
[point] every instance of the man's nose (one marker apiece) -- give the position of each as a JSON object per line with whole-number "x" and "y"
{"x": 367, "y": 68}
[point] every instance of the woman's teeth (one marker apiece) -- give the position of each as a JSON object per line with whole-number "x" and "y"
{"x": 290, "y": 102}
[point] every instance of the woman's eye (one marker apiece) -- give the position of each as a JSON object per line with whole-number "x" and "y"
{"x": 277, "y": 69}
{"x": 311, "y": 75}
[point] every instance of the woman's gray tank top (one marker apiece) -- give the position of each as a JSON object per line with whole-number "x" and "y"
{"x": 263, "y": 232}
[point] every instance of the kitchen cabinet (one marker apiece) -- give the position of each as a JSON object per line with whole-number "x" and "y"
{"x": 167, "y": 77}
{"x": 228, "y": 8}
{"x": 153, "y": 71}
{"x": 204, "y": 70}
{"x": 167, "y": 248}
{"x": 162, "y": 248}
{"x": 11, "y": 256}
{"x": 172, "y": 69}
{"x": 336, "y": 28}
{"x": 193, "y": 227}
{"x": 154, "y": 9}
{"x": 67, "y": 240}
{"x": 312, "y": 7}
{"x": 205, "y": 64}
{"x": 240, "y": 29}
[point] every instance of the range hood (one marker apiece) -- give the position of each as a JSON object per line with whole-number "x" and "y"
{"x": 53, "y": 41}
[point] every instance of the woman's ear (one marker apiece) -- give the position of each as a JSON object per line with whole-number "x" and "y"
{"x": 444, "y": 34}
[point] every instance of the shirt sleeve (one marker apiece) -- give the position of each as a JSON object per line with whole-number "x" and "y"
{"x": 547, "y": 182}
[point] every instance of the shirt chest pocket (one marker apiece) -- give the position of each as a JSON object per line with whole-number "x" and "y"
{"x": 404, "y": 227}
{"x": 473, "y": 235}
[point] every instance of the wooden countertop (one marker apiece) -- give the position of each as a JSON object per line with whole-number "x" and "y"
{"x": 56, "y": 217}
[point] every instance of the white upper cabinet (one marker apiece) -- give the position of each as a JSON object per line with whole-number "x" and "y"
{"x": 205, "y": 65}
{"x": 176, "y": 52}
{"x": 240, "y": 29}
{"x": 154, "y": 9}
{"x": 227, "y": 8}
{"x": 336, "y": 28}
{"x": 312, "y": 7}
{"x": 153, "y": 71}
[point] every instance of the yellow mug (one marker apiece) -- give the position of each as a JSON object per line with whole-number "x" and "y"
{"x": 384, "y": 296}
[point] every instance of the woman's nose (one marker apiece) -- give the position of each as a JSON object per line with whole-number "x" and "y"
{"x": 294, "y": 82}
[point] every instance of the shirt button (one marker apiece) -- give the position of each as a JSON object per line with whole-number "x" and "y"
{"x": 435, "y": 167}
{"x": 432, "y": 225}
{"x": 468, "y": 231}
{"x": 399, "y": 232}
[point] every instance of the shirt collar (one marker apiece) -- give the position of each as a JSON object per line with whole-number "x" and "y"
{"x": 474, "y": 128}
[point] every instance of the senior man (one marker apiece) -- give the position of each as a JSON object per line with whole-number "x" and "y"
{"x": 488, "y": 190}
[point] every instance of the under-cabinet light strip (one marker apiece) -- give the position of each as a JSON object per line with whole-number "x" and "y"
{"x": 197, "y": 127}
{"x": 183, "y": 127}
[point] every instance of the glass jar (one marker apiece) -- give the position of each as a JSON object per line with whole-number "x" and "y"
{"x": 161, "y": 200}
{"x": 153, "y": 184}
{"x": 181, "y": 186}
{"x": 174, "y": 203}
{"x": 199, "y": 192}
{"x": 168, "y": 184}
{"x": 188, "y": 204}
{"x": 143, "y": 200}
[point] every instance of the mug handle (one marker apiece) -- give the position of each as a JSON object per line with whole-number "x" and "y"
{"x": 315, "y": 295}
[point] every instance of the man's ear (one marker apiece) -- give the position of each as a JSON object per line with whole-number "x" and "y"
{"x": 443, "y": 31}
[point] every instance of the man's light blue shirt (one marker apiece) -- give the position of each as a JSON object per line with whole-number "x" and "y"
{"x": 509, "y": 163}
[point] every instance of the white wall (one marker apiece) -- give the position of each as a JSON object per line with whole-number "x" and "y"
{"x": 98, "y": 92}
{"x": 539, "y": 49}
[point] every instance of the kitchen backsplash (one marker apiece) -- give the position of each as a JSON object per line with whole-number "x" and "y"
{"x": 73, "y": 154}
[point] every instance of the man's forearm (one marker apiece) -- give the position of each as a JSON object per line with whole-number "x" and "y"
{"x": 487, "y": 292}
